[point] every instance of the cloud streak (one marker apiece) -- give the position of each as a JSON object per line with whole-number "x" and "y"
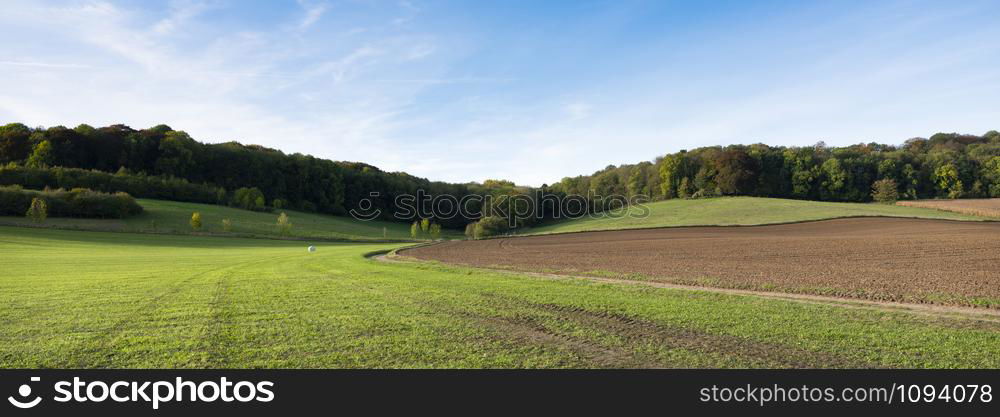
{"x": 44, "y": 65}
{"x": 312, "y": 13}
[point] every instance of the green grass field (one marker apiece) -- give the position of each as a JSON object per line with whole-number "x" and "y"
{"x": 92, "y": 299}
{"x": 726, "y": 211}
{"x": 174, "y": 217}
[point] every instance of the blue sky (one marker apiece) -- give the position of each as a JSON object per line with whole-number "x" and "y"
{"x": 530, "y": 91}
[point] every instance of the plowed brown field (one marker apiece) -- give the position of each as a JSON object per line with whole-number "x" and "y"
{"x": 874, "y": 258}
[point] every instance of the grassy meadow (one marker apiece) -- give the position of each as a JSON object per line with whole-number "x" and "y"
{"x": 728, "y": 211}
{"x": 173, "y": 217}
{"x": 113, "y": 300}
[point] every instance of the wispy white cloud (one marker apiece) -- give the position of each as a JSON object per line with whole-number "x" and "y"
{"x": 445, "y": 81}
{"x": 44, "y": 65}
{"x": 417, "y": 98}
{"x": 181, "y": 11}
{"x": 263, "y": 85}
{"x": 419, "y": 51}
{"x": 578, "y": 110}
{"x": 313, "y": 12}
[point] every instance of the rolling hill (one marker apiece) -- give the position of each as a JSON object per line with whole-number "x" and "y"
{"x": 729, "y": 211}
{"x": 173, "y": 217}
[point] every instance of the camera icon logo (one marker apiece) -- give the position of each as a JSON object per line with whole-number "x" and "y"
{"x": 24, "y": 391}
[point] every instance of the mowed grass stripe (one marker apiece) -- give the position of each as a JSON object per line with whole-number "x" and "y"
{"x": 84, "y": 299}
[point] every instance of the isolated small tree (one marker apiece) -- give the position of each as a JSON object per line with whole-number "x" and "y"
{"x": 220, "y": 196}
{"x": 227, "y": 225}
{"x": 196, "y": 221}
{"x": 259, "y": 203}
{"x": 435, "y": 231}
{"x": 415, "y": 229}
{"x": 425, "y": 225}
{"x": 470, "y": 230}
{"x": 38, "y": 211}
{"x": 885, "y": 191}
{"x": 284, "y": 224}
{"x": 278, "y": 204}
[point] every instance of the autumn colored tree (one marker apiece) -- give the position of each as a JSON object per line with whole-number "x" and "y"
{"x": 38, "y": 211}
{"x": 885, "y": 191}
{"x": 284, "y": 224}
{"x": 196, "y": 221}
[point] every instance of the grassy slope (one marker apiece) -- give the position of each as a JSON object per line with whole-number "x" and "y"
{"x": 173, "y": 217}
{"x": 88, "y": 299}
{"x": 738, "y": 211}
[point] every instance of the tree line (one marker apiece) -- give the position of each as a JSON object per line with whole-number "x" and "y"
{"x": 181, "y": 168}
{"x": 78, "y": 202}
{"x": 160, "y": 162}
{"x": 946, "y": 165}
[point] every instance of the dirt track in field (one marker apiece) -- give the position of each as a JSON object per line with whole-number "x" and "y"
{"x": 885, "y": 259}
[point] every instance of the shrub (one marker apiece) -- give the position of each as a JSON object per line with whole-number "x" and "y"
{"x": 38, "y": 210}
{"x": 284, "y": 224}
{"x": 227, "y": 225}
{"x": 137, "y": 185}
{"x": 78, "y": 202}
{"x": 196, "y": 221}
{"x": 885, "y": 191}
{"x": 424, "y": 228}
{"x": 249, "y": 199}
{"x": 490, "y": 226}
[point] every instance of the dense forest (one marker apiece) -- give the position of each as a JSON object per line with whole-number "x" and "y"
{"x": 947, "y": 165}
{"x": 160, "y": 162}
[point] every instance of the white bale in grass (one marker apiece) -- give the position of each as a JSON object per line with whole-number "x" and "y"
{"x": 312, "y": 249}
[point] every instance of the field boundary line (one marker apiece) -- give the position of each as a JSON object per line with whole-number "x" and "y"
{"x": 936, "y": 310}
{"x": 694, "y": 226}
{"x": 234, "y": 235}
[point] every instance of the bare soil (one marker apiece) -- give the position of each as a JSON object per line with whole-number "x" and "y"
{"x": 884, "y": 259}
